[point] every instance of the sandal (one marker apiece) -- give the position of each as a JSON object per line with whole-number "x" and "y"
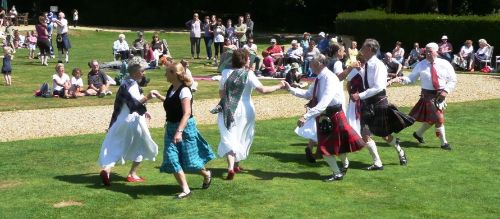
{"x": 207, "y": 180}
{"x": 183, "y": 195}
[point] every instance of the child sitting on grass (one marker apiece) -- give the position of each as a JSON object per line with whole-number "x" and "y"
{"x": 76, "y": 84}
{"x": 6, "y": 67}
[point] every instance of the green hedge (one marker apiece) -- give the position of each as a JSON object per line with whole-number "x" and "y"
{"x": 422, "y": 28}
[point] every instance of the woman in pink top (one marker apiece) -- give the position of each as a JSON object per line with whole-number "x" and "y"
{"x": 269, "y": 69}
{"x": 43, "y": 40}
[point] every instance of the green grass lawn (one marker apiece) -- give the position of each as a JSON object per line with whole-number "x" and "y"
{"x": 28, "y": 75}
{"x": 278, "y": 183}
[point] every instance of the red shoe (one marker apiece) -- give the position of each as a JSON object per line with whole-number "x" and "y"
{"x": 230, "y": 175}
{"x": 105, "y": 178}
{"x": 237, "y": 169}
{"x": 132, "y": 179}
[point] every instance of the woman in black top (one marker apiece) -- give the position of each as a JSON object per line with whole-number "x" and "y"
{"x": 185, "y": 148}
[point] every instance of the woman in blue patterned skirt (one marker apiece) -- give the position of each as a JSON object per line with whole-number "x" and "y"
{"x": 185, "y": 148}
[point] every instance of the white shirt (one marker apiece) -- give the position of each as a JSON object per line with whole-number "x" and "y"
{"x": 185, "y": 93}
{"x": 60, "y": 80}
{"x": 77, "y": 82}
{"x": 377, "y": 78}
{"x": 252, "y": 48}
{"x": 219, "y": 34}
{"x": 295, "y": 53}
{"x": 120, "y": 46}
{"x": 466, "y": 51}
{"x": 329, "y": 93}
{"x": 446, "y": 75}
{"x": 484, "y": 50}
{"x": 63, "y": 28}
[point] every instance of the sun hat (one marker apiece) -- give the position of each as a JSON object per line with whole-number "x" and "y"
{"x": 444, "y": 37}
{"x": 322, "y": 34}
{"x": 295, "y": 65}
{"x": 273, "y": 40}
{"x": 294, "y": 42}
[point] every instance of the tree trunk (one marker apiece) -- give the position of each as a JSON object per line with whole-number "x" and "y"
{"x": 450, "y": 7}
{"x": 432, "y": 5}
{"x": 388, "y": 6}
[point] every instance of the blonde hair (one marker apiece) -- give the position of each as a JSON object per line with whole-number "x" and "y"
{"x": 180, "y": 71}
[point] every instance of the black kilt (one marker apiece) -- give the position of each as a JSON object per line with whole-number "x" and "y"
{"x": 387, "y": 119}
{"x": 63, "y": 41}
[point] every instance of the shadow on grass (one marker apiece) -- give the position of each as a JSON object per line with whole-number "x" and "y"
{"x": 408, "y": 144}
{"x": 119, "y": 184}
{"x": 301, "y": 159}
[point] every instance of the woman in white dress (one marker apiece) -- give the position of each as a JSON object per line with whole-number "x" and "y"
{"x": 237, "y": 119}
{"x": 128, "y": 137}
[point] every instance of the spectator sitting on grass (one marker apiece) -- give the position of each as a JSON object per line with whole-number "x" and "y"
{"x": 60, "y": 82}
{"x": 466, "y": 55}
{"x": 120, "y": 48}
{"x": 293, "y": 76}
{"x": 416, "y": 54}
{"x": 294, "y": 54}
{"x": 445, "y": 49}
{"x": 268, "y": 69}
{"x": 138, "y": 45}
{"x": 76, "y": 84}
{"x": 398, "y": 53}
{"x": 275, "y": 51}
{"x": 394, "y": 68}
{"x": 98, "y": 81}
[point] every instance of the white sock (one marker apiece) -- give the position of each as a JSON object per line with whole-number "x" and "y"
{"x": 67, "y": 57}
{"x": 372, "y": 148}
{"x": 441, "y": 135}
{"x": 345, "y": 161}
{"x": 397, "y": 147}
{"x": 332, "y": 162}
{"x": 423, "y": 128}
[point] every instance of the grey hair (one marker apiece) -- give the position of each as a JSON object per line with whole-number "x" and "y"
{"x": 372, "y": 44}
{"x": 433, "y": 46}
{"x": 136, "y": 64}
{"x": 321, "y": 59}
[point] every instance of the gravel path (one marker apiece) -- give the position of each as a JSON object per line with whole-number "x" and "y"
{"x": 30, "y": 124}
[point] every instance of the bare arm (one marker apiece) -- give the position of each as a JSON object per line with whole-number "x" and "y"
{"x": 186, "y": 113}
{"x": 269, "y": 89}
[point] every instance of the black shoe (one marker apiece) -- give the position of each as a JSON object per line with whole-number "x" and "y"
{"x": 334, "y": 177}
{"x": 59, "y": 61}
{"x": 375, "y": 167}
{"x": 419, "y": 139}
{"x": 309, "y": 156}
{"x": 446, "y": 147}
{"x": 343, "y": 170}
{"x": 206, "y": 185}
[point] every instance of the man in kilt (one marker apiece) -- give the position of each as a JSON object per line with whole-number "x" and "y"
{"x": 335, "y": 135}
{"x": 378, "y": 116}
{"x": 437, "y": 79}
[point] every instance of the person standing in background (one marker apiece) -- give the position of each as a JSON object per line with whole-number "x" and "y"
{"x": 249, "y": 23}
{"x": 75, "y": 17}
{"x": 194, "y": 25}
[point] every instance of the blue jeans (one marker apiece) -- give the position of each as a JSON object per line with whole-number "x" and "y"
{"x": 208, "y": 45}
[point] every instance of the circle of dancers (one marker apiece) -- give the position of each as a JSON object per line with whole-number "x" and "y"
{"x": 336, "y": 128}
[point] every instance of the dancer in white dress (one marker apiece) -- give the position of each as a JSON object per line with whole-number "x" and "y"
{"x": 128, "y": 137}
{"x": 237, "y": 119}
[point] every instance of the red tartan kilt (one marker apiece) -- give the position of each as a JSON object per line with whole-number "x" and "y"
{"x": 426, "y": 111}
{"x": 342, "y": 139}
